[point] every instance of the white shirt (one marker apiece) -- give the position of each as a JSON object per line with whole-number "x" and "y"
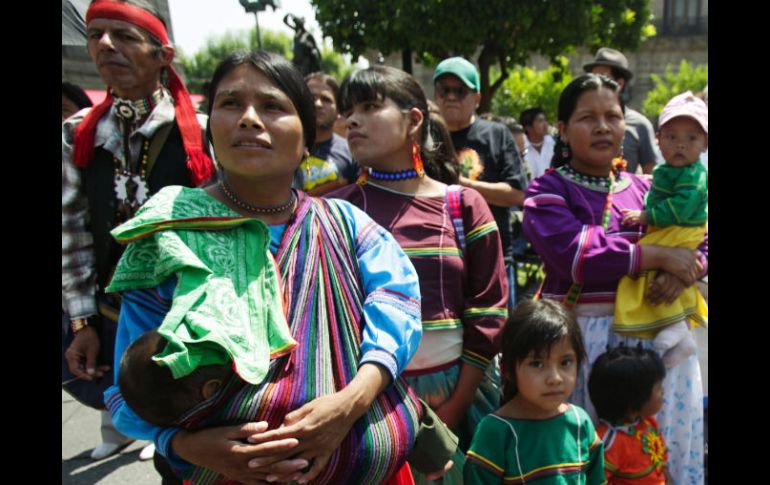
{"x": 540, "y": 161}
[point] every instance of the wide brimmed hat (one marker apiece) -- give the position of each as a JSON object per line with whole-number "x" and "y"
{"x": 612, "y": 58}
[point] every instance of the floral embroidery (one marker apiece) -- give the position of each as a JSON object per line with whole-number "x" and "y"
{"x": 652, "y": 444}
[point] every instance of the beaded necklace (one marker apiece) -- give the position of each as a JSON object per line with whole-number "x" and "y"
{"x": 400, "y": 175}
{"x": 131, "y": 111}
{"x": 230, "y": 194}
{"x": 595, "y": 182}
{"x": 130, "y": 187}
{"x": 601, "y": 184}
{"x": 370, "y": 173}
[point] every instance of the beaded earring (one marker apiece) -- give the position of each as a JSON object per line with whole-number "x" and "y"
{"x": 363, "y": 177}
{"x": 619, "y": 164}
{"x": 417, "y": 159}
{"x": 565, "y": 150}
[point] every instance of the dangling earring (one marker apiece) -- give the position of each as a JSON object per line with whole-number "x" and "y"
{"x": 619, "y": 164}
{"x": 417, "y": 159}
{"x": 565, "y": 151}
{"x": 363, "y": 176}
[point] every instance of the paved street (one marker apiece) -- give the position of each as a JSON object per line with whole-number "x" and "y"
{"x": 80, "y": 434}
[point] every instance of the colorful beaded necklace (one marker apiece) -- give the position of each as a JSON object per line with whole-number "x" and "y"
{"x": 230, "y": 194}
{"x": 131, "y": 111}
{"x": 600, "y": 183}
{"x": 595, "y": 182}
{"x": 131, "y": 188}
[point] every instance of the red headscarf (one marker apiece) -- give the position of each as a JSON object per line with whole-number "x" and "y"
{"x": 200, "y": 165}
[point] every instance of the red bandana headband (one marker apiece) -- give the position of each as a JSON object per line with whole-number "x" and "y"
{"x": 199, "y": 164}
{"x": 128, "y": 13}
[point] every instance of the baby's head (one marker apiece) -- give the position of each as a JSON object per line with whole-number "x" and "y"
{"x": 626, "y": 383}
{"x": 150, "y": 390}
{"x": 534, "y": 330}
{"x": 683, "y": 129}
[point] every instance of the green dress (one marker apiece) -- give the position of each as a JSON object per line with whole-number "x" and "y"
{"x": 564, "y": 449}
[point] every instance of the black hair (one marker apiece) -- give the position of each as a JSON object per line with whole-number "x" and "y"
{"x": 380, "y": 82}
{"x": 282, "y": 73}
{"x": 534, "y": 326}
{"x": 618, "y": 74}
{"x": 76, "y": 94}
{"x": 621, "y": 381}
{"x": 330, "y": 82}
{"x": 528, "y": 116}
{"x": 150, "y": 389}
{"x": 568, "y": 102}
{"x": 447, "y": 167}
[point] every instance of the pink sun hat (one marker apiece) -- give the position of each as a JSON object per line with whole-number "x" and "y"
{"x": 686, "y": 104}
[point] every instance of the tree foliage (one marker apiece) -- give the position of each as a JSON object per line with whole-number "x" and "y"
{"x": 527, "y": 88}
{"x": 687, "y": 78}
{"x": 496, "y": 32}
{"x": 200, "y": 66}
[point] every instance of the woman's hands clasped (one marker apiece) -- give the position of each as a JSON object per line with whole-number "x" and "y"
{"x": 319, "y": 426}
{"x": 225, "y": 449}
{"x": 683, "y": 264}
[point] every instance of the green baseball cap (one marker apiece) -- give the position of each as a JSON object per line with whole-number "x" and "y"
{"x": 461, "y": 68}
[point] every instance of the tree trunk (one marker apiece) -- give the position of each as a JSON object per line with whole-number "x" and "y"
{"x": 406, "y": 60}
{"x": 485, "y": 62}
{"x": 488, "y": 90}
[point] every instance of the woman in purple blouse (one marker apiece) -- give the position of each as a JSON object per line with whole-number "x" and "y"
{"x": 572, "y": 217}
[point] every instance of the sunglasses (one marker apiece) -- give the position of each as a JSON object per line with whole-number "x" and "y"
{"x": 459, "y": 92}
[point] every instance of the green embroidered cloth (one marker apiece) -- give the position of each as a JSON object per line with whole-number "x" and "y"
{"x": 227, "y": 304}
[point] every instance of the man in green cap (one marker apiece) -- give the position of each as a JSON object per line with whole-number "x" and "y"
{"x": 486, "y": 150}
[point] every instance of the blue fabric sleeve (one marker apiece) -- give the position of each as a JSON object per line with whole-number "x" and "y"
{"x": 392, "y": 317}
{"x": 141, "y": 311}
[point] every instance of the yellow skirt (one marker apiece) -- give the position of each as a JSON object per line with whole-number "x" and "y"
{"x": 634, "y": 315}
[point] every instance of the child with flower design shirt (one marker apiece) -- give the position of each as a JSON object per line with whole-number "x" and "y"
{"x": 626, "y": 388}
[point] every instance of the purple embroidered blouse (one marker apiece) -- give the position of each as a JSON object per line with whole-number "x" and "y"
{"x": 563, "y": 221}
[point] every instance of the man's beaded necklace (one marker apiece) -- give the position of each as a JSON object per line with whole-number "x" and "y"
{"x": 131, "y": 189}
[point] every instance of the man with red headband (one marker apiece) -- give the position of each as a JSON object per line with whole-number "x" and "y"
{"x": 143, "y": 137}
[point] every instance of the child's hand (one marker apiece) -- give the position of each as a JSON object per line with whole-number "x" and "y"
{"x": 633, "y": 217}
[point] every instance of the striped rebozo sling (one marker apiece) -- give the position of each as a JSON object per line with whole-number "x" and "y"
{"x": 322, "y": 286}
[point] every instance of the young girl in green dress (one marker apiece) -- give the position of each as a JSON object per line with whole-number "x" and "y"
{"x": 536, "y": 434}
